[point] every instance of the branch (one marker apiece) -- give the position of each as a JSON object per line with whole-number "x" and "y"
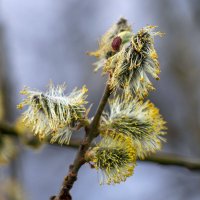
{"x": 7, "y": 129}
{"x": 162, "y": 158}
{"x": 95, "y": 122}
{"x": 174, "y": 159}
{"x": 159, "y": 158}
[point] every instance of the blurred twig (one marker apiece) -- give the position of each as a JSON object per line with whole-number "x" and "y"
{"x": 7, "y": 129}
{"x": 7, "y": 110}
{"x": 174, "y": 159}
{"x": 160, "y": 158}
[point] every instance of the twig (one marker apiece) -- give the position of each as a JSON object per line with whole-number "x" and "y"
{"x": 7, "y": 129}
{"x": 162, "y": 158}
{"x": 174, "y": 159}
{"x": 92, "y": 132}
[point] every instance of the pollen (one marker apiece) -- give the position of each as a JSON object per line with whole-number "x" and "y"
{"x": 20, "y": 106}
{"x": 153, "y": 54}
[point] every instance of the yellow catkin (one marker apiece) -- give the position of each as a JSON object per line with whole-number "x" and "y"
{"x": 137, "y": 119}
{"x": 114, "y": 158}
{"x": 133, "y": 62}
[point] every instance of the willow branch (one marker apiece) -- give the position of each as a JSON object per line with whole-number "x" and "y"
{"x": 159, "y": 158}
{"x": 174, "y": 159}
{"x": 7, "y": 129}
{"x": 162, "y": 158}
{"x": 95, "y": 122}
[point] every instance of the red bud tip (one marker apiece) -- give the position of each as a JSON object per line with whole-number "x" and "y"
{"x": 116, "y": 43}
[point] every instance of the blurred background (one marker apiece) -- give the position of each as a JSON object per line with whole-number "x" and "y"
{"x": 44, "y": 40}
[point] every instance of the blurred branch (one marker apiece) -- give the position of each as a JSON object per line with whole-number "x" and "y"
{"x": 174, "y": 159}
{"x": 7, "y": 129}
{"x": 160, "y": 158}
{"x": 6, "y": 107}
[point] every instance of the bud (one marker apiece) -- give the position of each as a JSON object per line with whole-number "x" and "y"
{"x": 116, "y": 43}
{"x": 106, "y": 49}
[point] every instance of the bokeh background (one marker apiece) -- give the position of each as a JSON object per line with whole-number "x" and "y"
{"x": 42, "y": 40}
